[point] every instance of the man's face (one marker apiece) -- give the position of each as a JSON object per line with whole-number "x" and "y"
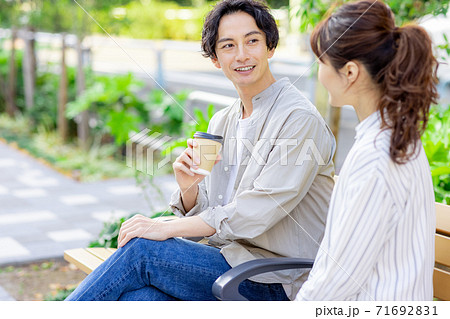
{"x": 242, "y": 52}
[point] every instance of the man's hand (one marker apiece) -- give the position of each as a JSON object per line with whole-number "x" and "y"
{"x": 186, "y": 179}
{"x": 154, "y": 229}
{"x": 142, "y": 227}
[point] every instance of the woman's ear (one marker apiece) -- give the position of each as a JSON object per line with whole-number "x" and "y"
{"x": 351, "y": 71}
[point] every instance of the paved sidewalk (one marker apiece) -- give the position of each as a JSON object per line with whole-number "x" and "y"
{"x": 5, "y": 296}
{"x": 43, "y": 213}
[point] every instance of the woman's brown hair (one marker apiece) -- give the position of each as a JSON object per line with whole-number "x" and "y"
{"x": 399, "y": 60}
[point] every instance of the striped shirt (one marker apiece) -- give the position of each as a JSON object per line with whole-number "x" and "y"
{"x": 379, "y": 237}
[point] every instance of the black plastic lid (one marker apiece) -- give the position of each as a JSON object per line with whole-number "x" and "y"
{"x": 208, "y": 136}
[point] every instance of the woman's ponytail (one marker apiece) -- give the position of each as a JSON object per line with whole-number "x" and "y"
{"x": 408, "y": 84}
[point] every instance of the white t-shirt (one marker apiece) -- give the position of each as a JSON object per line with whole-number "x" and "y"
{"x": 243, "y": 126}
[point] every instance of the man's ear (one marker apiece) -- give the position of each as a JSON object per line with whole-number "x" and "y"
{"x": 216, "y": 63}
{"x": 271, "y": 53}
{"x": 351, "y": 71}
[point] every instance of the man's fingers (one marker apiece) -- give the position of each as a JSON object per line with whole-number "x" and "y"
{"x": 129, "y": 225}
{"x": 192, "y": 143}
{"x": 129, "y": 236}
{"x": 181, "y": 167}
{"x": 193, "y": 158}
{"x": 218, "y": 159}
{"x": 186, "y": 158}
{"x": 190, "y": 150}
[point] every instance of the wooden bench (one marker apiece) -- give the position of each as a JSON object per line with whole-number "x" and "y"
{"x": 441, "y": 278}
{"x": 87, "y": 259}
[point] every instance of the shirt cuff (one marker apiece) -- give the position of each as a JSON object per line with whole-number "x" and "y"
{"x": 176, "y": 204}
{"x": 215, "y": 217}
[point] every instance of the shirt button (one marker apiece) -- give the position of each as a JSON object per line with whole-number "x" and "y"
{"x": 220, "y": 196}
{"x": 218, "y": 231}
{"x": 225, "y": 169}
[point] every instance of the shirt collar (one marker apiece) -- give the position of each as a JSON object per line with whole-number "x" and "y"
{"x": 371, "y": 122}
{"x": 266, "y": 97}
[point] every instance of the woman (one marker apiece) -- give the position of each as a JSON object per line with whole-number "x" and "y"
{"x": 379, "y": 238}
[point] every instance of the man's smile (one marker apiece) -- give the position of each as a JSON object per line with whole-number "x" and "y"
{"x": 245, "y": 68}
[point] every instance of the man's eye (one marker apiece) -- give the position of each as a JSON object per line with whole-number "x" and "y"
{"x": 253, "y": 41}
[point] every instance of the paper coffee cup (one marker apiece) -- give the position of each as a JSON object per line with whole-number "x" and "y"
{"x": 207, "y": 150}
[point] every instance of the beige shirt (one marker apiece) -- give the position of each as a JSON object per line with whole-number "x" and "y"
{"x": 283, "y": 187}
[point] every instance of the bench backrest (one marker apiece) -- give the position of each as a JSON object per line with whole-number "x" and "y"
{"x": 441, "y": 278}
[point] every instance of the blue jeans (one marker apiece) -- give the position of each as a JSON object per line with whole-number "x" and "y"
{"x": 175, "y": 269}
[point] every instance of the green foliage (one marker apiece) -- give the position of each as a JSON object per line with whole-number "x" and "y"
{"x": 114, "y": 100}
{"x": 61, "y": 294}
{"x": 109, "y": 235}
{"x": 5, "y": 56}
{"x": 313, "y": 11}
{"x": 162, "y": 214}
{"x": 275, "y": 4}
{"x": 96, "y": 164}
{"x": 53, "y": 15}
{"x": 9, "y": 11}
{"x": 436, "y": 142}
{"x": 45, "y": 108}
{"x": 445, "y": 47}
{"x": 161, "y": 20}
{"x": 201, "y": 124}
{"x": 140, "y": 19}
{"x": 172, "y": 109}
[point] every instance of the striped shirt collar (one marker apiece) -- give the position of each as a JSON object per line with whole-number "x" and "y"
{"x": 373, "y": 121}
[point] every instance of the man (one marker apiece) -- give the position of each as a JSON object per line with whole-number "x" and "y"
{"x": 267, "y": 197}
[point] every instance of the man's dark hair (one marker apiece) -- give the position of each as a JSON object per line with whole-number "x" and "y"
{"x": 257, "y": 9}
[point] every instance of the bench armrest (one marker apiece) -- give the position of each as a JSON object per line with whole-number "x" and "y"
{"x": 226, "y": 286}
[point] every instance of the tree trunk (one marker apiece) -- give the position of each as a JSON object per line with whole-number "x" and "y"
{"x": 33, "y": 57}
{"x": 62, "y": 97}
{"x": 29, "y": 72}
{"x": 11, "y": 107}
{"x": 335, "y": 119}
{"x": 83, "y": 119}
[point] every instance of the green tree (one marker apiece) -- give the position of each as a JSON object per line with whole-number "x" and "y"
{"x": 312, "y": 11}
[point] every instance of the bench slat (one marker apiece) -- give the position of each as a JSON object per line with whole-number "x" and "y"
{"x": 441, "y": 283}
{"x": 442, "y": 250}
{"x": 83, "y": 259}
{"x": 443, "y": 219}
{"x": 100, "y": 252}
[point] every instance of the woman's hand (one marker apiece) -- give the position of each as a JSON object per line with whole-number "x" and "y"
{"x": 142, "y": 227}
